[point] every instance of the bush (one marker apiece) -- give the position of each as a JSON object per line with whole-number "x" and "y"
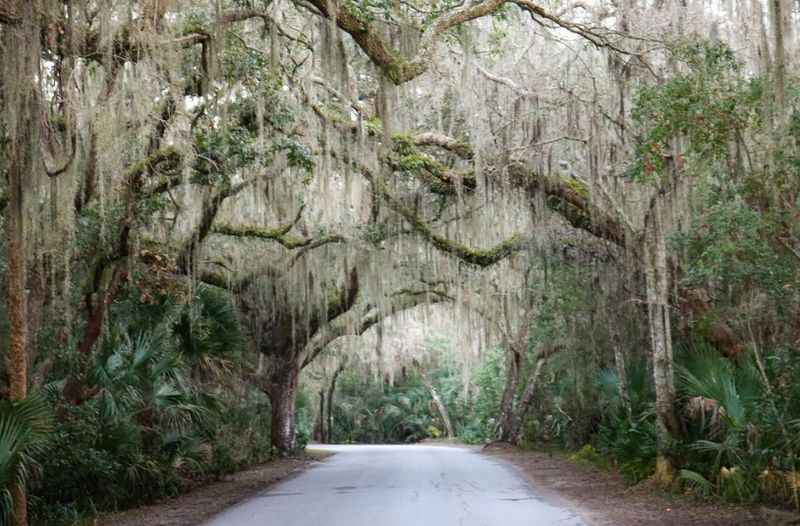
{"x": 631, "y": 444}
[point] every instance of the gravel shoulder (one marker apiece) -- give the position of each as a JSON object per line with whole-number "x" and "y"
{"x": 604, "y": 499}
{"x": 202, "y": 503}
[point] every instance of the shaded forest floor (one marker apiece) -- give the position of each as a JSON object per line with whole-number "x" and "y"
{"x": 604, "y": 499}
{"x": 200, "y": 504}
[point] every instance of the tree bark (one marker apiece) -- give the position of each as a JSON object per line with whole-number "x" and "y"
{"x": 622, "y": 373}
{"x": 777, "y": 10}
{"x": 437, "y": 401}
{"x": 283, "y": 396}
{"x": 319, "y": 434}
{"x": 20, "y": 65}
{"x": 525, "y": 402}
{"x": 331, "y": 394}
{"x": 513, "y": 366}
{"x": 657, "y": 285}
{"x": 17, "y": 358}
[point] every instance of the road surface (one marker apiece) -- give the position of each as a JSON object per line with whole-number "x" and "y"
{"x": 400, "y": 485}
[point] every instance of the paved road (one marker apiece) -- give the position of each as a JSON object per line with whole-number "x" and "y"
{"x": 400, "y": 485}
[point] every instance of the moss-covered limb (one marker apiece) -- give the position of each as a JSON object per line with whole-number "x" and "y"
{"x": 429, "y": 294}
{"x": 479, "y": 257}
{"x": 248, "y": 280}
{"x": 406, "y": 157}
{"x": 570, "y": 199}
{"x": 338, "y": 120}
{"x": 344, "y": 99}
{"x": 447, "y": 183}
{"x": 317, "y": 243}
{"x": 370, "y": 38}
{"x": 127, "y": 45}
{"x": 208, "y": 215}
{"x": 274, "y": 234}
{"x": 459, "y": 148}
{"x": 162, "y": 162}
{"x": 164, "y": 184}
{"x": 400, "y": 69}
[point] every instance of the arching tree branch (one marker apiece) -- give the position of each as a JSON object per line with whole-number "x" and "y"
{"x": 400, "y": 69}
{"x": 478, "y": 257}
{"x": 357, "y": 323}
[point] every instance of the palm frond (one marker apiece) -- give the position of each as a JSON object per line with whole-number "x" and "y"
{"x": 697, "y": 481}
{"x": 23, "y": 426}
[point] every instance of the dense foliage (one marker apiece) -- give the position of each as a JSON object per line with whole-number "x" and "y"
{"x": 164, "y": 417}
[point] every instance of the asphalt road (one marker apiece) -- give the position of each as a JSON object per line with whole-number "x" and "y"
{"x": 400, "y": 485}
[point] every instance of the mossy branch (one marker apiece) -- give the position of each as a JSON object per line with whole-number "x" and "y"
{"x": 407, "y": 158}
{"x": 459, "y": 148}
{"x": 208, "y": 215}
{"x": 479, "y": 257}
{"x": 390, "y": 61}
{"x": 274, "y": 234}
{"x": 164, "y": 162}
{"x": 316, "y": 243}
{"x": 570, "y": 199}
{"x": 282, "y": 236}
{"x": 279, "y": 234}
{"x": 567, "y": 197}
{"x": 400, "y": 69}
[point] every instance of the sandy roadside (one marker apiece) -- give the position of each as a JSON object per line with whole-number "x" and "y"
{"x": 603, "y": 498}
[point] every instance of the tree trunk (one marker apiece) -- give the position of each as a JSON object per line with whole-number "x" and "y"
{"x": 657, "y": 284}
{"x": 20, "y": 67}
{"x": 319, "y": 433}
{"x": 283, "y": 395}
{"x": 777, "y": 14}
{"x": 622, "y": 374}
{"x": 17, "y": 358}
{"x": 525, "y": 402}
{"x": 331, "y": 393}
{"x": 513, "y": 366}
{"x": 437, "y": 401}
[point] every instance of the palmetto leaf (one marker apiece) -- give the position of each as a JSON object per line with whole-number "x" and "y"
{"x": 696, "y": 480}
{"x": 709, "y": 375}
{"x": 23, "y": 425}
